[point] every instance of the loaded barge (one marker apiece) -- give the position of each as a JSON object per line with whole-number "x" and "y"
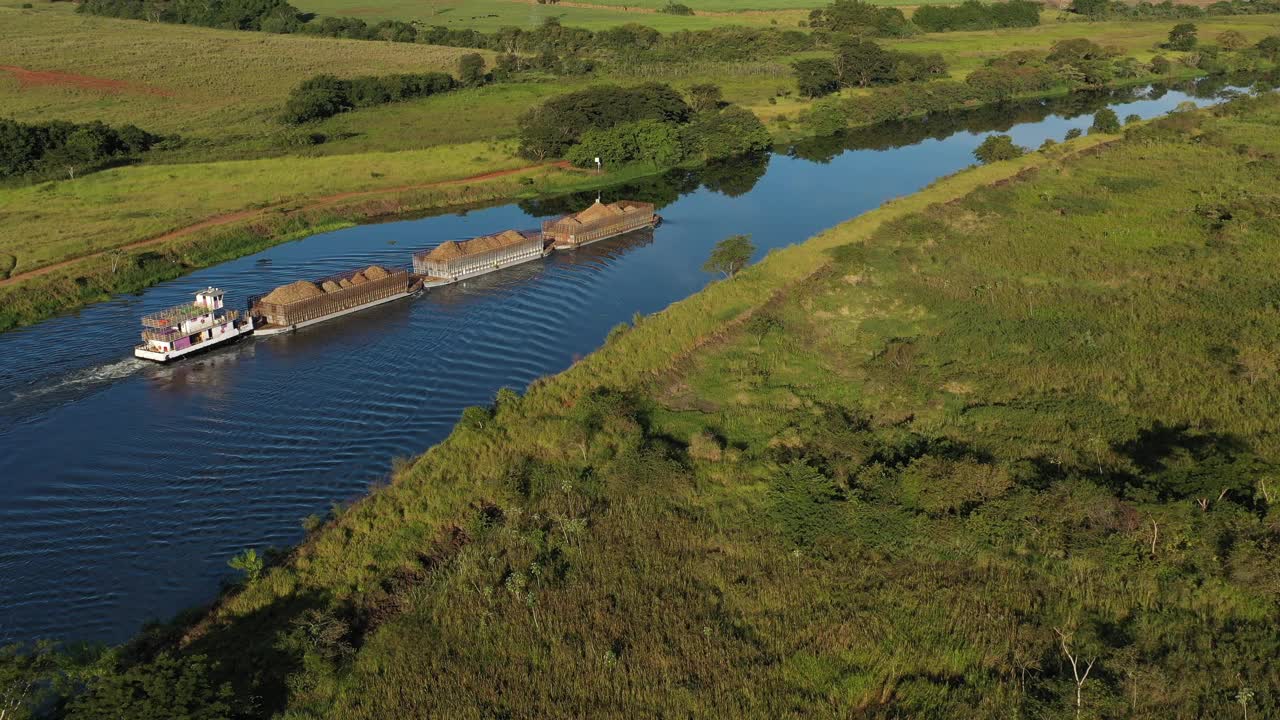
{"x": 186, "y": 329}
{"x": 302, "y": 303}
{"x": 452, "y": 261}
{"x": 598, "y": 222}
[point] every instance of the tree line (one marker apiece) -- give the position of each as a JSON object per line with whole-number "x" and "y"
{"x": 1112, "y": 9}
{"x": 324, "y": 96}
{"x": 976, "y": 15}
{"x": 651, "y": 123}
{"x": 64, "y": 148}
{"x": 1073, "y": 63}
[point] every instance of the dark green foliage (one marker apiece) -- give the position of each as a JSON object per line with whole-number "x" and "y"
{"x": 996, "y": 148}
{"x": 816, "y": 77}
{"x": 856, "y": 17}
{"x": 705, "y": 96}
{"x": 1160, "y": 65}
{"x": 272, "y": 15}
{"x": 471, "y": 70}
{"x": 1182, "y": 37}
{"x": 1105, "y": 121}
{"x": 1093, "y": 9}
{"x": 168, "y": 688}
{"x": 725, "y": 133}
{"x": 550, "y": 129}
{"x": 1073, "y": 133}
{"x": 325, "y": 95}
{"x": 63, "y": 148}
{"x": 730, "y": 255}
{"x": 804, "y": 504}
{"x": 977, "y": 15}
{"x": 1269, "y": 47}
{"x": 675, "y": 8}
{"x": 652, "y": 141}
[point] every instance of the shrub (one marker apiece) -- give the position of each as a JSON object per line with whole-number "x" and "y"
{"x": 1160, "y": 65}
{"x": 1132, "y": 118}
{"x": 816, "y": 77}
{"x": 471, "y": 70}
{"x": 550, "y": 129}
{"x": 250, "y": 563}
{"x": 674, "y": 8}
{"x": 996, "y": 148}
{"x": 1182, "y": 37}
{"x": 1073, "y": 133}
{"x": 1105, "y": 121}
{"x": 1232, "y": 40}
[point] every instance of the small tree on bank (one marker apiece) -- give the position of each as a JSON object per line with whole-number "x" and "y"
{"x": 1182, "y": 37}
{"x": 1105, "y": 121}
{"x": 996, "y": 148}
{"x": 730, "y": 255}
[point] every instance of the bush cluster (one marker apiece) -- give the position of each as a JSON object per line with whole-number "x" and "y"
{"x": 1109, "y": 9}
{"x": 59, "y": 147}
{"x": 862, "y": 63}
{"x": 325, "y": 95}
{"x": 976, "y": 15}
{"x": 647, "y": 123}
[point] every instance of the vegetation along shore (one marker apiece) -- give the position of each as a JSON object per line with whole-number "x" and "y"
{"x": 189, "y": 153}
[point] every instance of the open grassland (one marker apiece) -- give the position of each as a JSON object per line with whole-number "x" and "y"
{"x": 877, "y": 473}
{"x": 207, "y": 85}
{"x": 966, "y": 51}
{"x": 61, "y": 220}
{"x": 489, "y": 15}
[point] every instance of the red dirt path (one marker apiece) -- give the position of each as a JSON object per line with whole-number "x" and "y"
{"x": 40, "y": 78}
{"x": 246, "y": 214}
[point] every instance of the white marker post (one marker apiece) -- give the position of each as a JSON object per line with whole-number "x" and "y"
{"x": 598, "y": 167}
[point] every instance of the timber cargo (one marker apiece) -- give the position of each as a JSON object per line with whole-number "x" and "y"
{"x": 452, "y": 261}
{"x": 598, "y": 222}
{"x": 302, "y": 303}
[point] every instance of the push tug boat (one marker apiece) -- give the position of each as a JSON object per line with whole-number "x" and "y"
{"x": 186, "y": 329}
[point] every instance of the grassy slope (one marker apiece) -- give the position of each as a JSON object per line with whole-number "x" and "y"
{"x": 220, "y": 84}
{"x": 1055, "y": 347}
{"x": 1052, "y": 352}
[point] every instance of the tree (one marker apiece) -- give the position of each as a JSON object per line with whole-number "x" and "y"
{"x": 1269, "y": 47}
{"x": 471, "y": 70}
{"x": 250, "y": 563}
{"x": 732, "y": 131}
{"x": 862, "y": 63}
{"x": 1160, "y": 65}
{"x": 1075, "y": 660}
{"x": 1232, "y": 40}
{"x": 1105, "y": 121}
{"x": 705, "y": 96}
{"x": 996, "y": 148}
{"x": 816, "y": 77}
{"x": 730, "y": 255}
{"x": 1182, "y": 37}
{"x": 24, "y": 679}
{"x": 1072, "y": 134}
{"x": 169, "y": 688}
{"x": 1132, "y": 118}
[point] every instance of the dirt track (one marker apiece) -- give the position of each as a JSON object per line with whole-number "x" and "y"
{"x": 43, "y": 78}
{"x": 247, "y": 214}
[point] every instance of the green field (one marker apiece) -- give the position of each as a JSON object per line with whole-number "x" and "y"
{"x": 880, "y": 471}
{"x": 490, "y": 15}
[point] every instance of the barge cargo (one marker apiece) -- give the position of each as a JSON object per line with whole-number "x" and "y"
{"x": 452, "y": 261}
{"x": 598, "y": 222}
{"x": 187, "y": 329}
{"x": 304, "y": 303}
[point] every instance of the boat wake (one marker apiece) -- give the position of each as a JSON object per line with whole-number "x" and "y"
{"x": 79, "y": 380}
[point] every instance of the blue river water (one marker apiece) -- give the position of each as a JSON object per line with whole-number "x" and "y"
{"x": 126, "y": 486}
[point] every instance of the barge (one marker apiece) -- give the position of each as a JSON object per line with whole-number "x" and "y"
{"x": 186, "y": 329}
{"x": 598, "y": 222}
{"x": 303, "y": 303}
{"x": 452, "y": 261}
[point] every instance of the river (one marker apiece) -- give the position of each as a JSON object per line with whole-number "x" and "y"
{"x": 126, "y": 486}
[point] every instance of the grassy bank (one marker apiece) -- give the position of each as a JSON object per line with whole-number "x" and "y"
{"x": 876, "y": 473}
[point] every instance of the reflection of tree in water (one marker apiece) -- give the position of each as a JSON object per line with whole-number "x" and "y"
{"x": 1000, "y": 117}
{"x": 731, "y": 176}
{"x": 735, "y": 176}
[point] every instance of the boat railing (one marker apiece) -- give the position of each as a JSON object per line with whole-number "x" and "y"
{"x": 172, "y": 333}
